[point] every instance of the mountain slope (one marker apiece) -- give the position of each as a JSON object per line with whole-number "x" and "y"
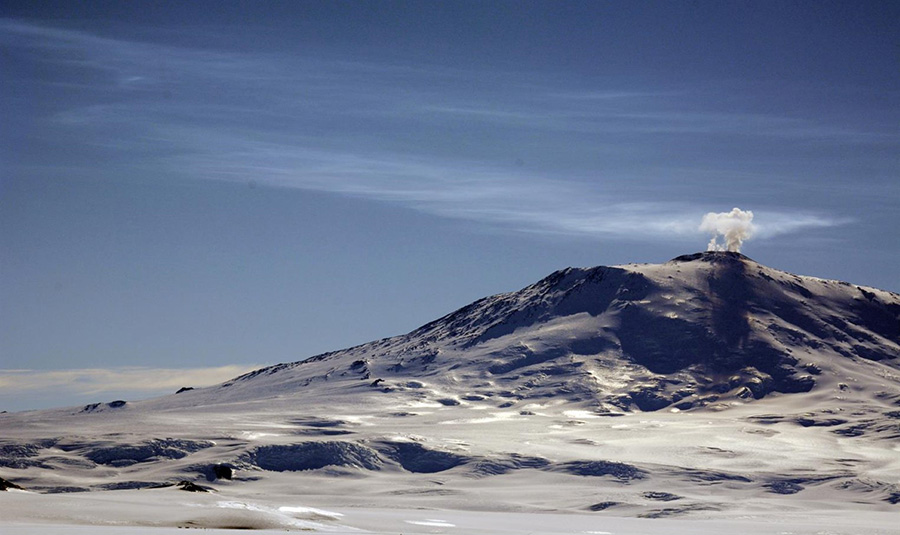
{"x": 703, "y": 328}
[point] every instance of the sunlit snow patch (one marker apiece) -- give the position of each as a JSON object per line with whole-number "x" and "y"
{"x": 289, "y": 520}
{"x": 584, "y": 415}
{"x": 309, "y": 511}
{"x": 251, "y": 435}
{"x": 355, "y": 419}
{"x": 495, "y": 417}
{"x": 432, "y": 523}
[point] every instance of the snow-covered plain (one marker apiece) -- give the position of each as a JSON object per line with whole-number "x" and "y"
{"x": 704, "y": 395}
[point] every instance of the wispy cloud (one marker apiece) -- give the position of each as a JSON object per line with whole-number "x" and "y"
{"x": 773, "y": 224}
{"x": 424, "y": 138}
{"x": 500, "y": 197}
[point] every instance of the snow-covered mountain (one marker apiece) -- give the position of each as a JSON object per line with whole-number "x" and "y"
{"x": 708, "y": 328}
{"x": 708, "y": 383}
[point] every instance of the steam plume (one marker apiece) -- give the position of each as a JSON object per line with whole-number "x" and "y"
{"x": 735, "y": 226}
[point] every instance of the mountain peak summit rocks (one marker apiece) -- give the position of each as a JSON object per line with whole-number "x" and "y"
{"x": 712, "y": 256}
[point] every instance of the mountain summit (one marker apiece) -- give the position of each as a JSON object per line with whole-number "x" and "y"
{"x": 701, "y": 329}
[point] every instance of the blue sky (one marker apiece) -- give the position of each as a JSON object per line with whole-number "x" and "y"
{"x": 191, "y": 190}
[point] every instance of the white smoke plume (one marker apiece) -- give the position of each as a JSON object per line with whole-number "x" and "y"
{"x": 735, "y": 226}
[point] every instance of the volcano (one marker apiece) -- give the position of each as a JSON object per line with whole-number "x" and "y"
{"x": 707, "y": 328}
{"x": 709, "y": 384}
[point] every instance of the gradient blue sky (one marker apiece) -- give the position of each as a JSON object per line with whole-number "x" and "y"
{"x": 189, "y": 189}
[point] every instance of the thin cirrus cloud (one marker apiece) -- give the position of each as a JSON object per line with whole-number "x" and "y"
{"x": 528, "y": 204}
{"x": 344, "y": 128}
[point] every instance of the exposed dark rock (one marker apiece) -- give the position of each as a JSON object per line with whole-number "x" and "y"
{"x": 6, "y": 485}
{"x": 322, "y": 432}
{"x": 98, "y": 407}
{"x": 661, "y": 496}
{"x": 503, "y": 465}
{"x": 811, "y": 421}
{"x": 624, "y": 473}
{"x": 127, "y": 485}
{"x": 269, "y": 370}
{"x": 127, "y": 454}
{"x": 223, "y": 471}
{"x": 851, "y": 430}
{"x": 784, "y": 487}
{"x": 20, "y": 456}
{"x": 61, "y": 489}
{"x": 184, "y": 389}
{"x": 191, "y": 487}
{"x": 602, "y": 506}
{"x": 796, "y": 384}
{"x": 312, "y": 456}
{"x": 181, "y": 485}
{"x": 812, "y": 368}
{"x": 649, "y": 399}
{"x": 711, "y": 476}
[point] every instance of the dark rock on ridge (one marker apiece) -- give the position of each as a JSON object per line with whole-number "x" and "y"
{"x": 6, "y": 485}
{"x": 223, "y": 471}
